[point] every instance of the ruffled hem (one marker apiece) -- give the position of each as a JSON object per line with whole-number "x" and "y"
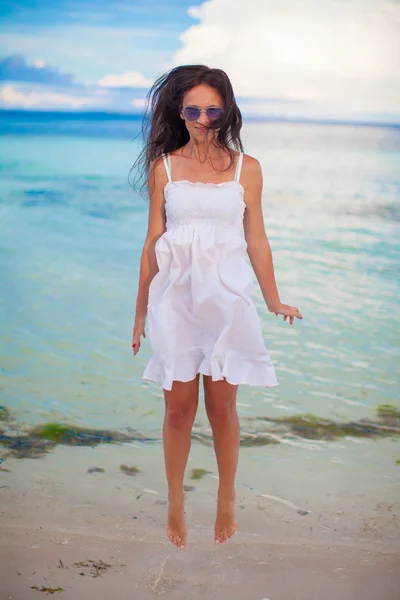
{"x": 236, "y": 370}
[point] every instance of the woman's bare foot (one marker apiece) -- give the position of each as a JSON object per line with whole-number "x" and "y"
{"x": 176, "y": 526}
{"x": 225, "y": 523}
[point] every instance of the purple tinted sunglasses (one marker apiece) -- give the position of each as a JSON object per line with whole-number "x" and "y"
{"x": 192, "y": 113}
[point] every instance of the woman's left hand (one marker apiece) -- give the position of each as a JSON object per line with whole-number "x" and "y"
{"x": 138, "y": 332}
{"x": 287, "y": 311}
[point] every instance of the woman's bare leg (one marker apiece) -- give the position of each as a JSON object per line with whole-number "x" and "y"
{"x": 180, "y": 411}
{"x": 220, "y": 403}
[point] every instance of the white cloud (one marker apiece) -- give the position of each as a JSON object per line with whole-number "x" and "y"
{"x": 130, "y": 79}
{"x": 344, "y": 55}
{"x": 11, "y": 97}
{"x": 194, "y": 12}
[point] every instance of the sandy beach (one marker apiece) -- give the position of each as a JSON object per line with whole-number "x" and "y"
{"x": 338, "y": 544}
{"x": 145, "y": 566}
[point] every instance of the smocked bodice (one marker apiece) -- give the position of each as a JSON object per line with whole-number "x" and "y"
{"x": 218, "y": 204}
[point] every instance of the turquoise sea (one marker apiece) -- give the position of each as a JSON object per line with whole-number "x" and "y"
{"x": 72, "y": 230}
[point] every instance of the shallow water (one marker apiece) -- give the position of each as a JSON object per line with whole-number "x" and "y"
{"x": 72, "y": 233}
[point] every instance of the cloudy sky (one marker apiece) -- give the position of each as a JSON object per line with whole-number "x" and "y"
{"x": 335, "y": 59}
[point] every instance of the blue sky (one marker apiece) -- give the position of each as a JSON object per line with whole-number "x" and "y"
{"x": 310, "y": 59}
{"x": 91, "y": 39}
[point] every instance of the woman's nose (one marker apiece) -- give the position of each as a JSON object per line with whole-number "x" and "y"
{"x": 203, "y": 120}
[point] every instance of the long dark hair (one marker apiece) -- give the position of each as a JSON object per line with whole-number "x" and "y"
{"x": 163, "y": 130}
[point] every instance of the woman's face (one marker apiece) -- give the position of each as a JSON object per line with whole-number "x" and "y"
{"x": 203, "y": 96}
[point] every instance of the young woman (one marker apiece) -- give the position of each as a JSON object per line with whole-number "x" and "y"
{"x": 195, "y": 286}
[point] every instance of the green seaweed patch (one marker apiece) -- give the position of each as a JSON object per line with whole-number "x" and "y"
{"x": 47, "y": 590}
{"x": 310, "y": 426}
{"x": 39, "y": 440}
{"x": 397, "y": 462}
{"x": 257, "y": 439}
{"x": 71, "y": 435}
{"x": 129, "y": 470}
{"x": 24, "y": 446}
{"x": 388, "y": 414}
{"x": 5, "y": 414}
{"x": 198, "y": 473}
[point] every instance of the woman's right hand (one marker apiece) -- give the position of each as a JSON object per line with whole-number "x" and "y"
{"x": 287, "y": 311}
{"x": 138, "y": 332}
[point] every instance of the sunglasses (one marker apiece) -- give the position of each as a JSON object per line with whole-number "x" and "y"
{"x": 192, "y": 113}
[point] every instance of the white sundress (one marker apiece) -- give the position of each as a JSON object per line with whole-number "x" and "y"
{"x": 201, "y": 317}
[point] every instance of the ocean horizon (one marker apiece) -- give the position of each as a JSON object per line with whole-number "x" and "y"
{"x": 48, "y": 115}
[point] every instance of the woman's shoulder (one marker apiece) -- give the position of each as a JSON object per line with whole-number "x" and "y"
{"x": 156, "y": 164}
{"x": 250, "y": 165}
{"x": 157, "y": 172}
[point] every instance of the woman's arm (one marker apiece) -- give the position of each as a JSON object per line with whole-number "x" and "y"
{"x": 258, "y": 247}
{"x": 148, "y": 262}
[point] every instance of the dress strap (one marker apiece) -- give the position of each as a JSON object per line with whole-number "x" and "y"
{"x": 170, "y": 165}
{"x": 167, "y": 165}
{"x": 238, "y": 167}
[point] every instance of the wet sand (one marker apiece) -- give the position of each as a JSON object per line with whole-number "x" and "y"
{"x": 328, "y": 541}
{"x": 144, "y": 566}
